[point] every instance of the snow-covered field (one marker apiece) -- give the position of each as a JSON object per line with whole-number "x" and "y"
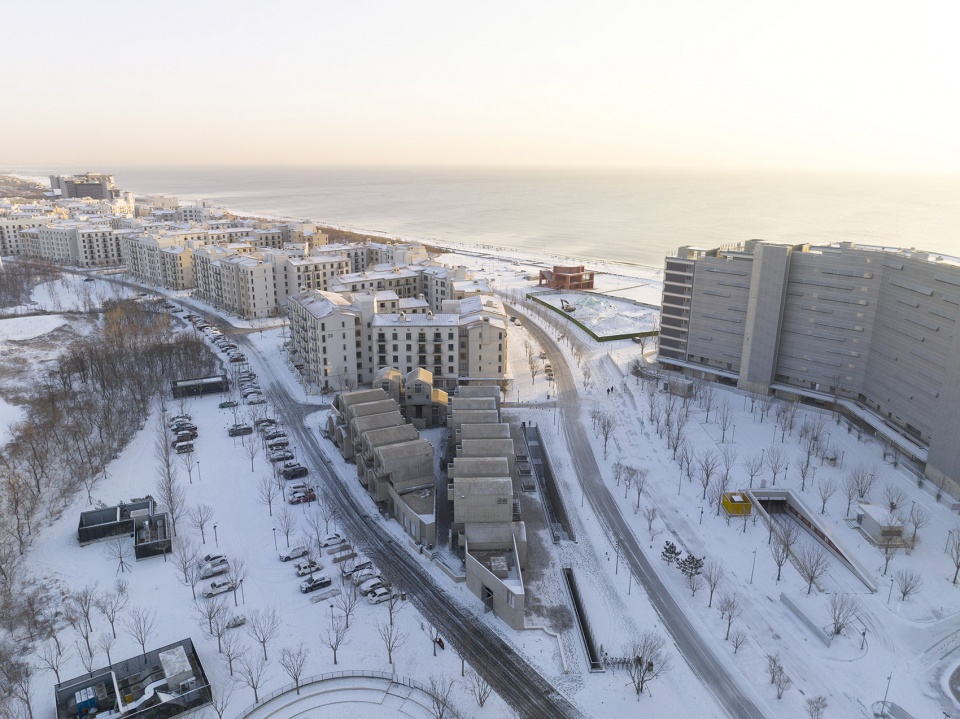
{"x": 913, "y": 642}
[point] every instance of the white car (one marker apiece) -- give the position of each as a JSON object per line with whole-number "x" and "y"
{"x": 381, "y": 595}
{"x": 212, "y": 569}
{"x": 214, "y": 557}
{"x": 218, "y": 586}
{"x": 362, "y": 575}
{"x": 293, "y": 553}
{"x": 305, "y": 568}
{"x": 370, "y": 585}
{"x": 331, "y": 540}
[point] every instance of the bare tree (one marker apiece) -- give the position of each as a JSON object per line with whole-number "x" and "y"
{"x": 481, "y": 690}
{"x": 336, "y": 635}
{"x": 140, "y": 625}
{"x": 53, "y": 658}
{"x": 236, "y": 575}
{"x": 606, "y": 426}
{"x": 908, "y": 583}
{"x": 843, "y": 608}
{"x": 210, "y": 611}
{"x": 220, "y": 701}
{"x": 812, "y": 563}
{"x": 776, "y": 461}
{"x": 111, "y": 603}
{"x": 893, "y": 497}
{"x": 232, "y": 648}
{"x": 889, "y": 547}
{"x": 293, "y": 662}
{"x": 782, "y": 682}
{"x": 251, "y": 447}
{"x": 106, "y": 642}
{"x": 82, "y": 602}
{"x": 724, "y": 418}
{"x": 953, "y": 551}
{"x": 753, "y": 466}
{"x": 707, "y": 462}
{"x": 348, "y": 599}
{"x": 816, "y": 706}
{"x": 251, "y": 670}
{"x": 394, "y": 604}
{"x": 441, "y": 696}
{"x": 432, "y": 633}
{"x": 185, "y": 556}
{"x": 119, "y": 550}
{"x": 267, "y": 492}
{"x": 707, "y": 396}
{"x": 738, "y": 637}
{"x": 646, "y": 660}
{"x": 849, "y": 490}
{"x": 263, "y": 626}
{"x": 773, "y": 666}
{"x": 864, "y": 479}
{"x": 826, "y": 488}
{"x": 650, "y": 514}
{"x": 780, "y": 551}
{"x": 286, "y": 522}
{"x": 88, "y": 657}
{"x": 327, "y": 509}
{"x": 392, "y": 638}
{"x": 200, "y": 517}
{"x": 714, "y": 575}
{"x": 730, "y": 610}
{"x": 918, "y": 519}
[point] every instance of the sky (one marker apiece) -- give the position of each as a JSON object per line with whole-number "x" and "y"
{"x": 852, "y": 86}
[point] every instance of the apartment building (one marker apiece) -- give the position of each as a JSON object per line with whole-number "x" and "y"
{"x": 90, "y": 184}
{"x": 869, "y": 328}
{"x": 12, "y": 226}
{"x": 91, "y": 243}
{"x": 343, "y": 340}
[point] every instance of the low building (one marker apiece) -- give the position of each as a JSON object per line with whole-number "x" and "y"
{"x": 567, "y": 278}
{"x": 880, "y": 525}
{"x": 159, "y": 684}
{"x": 215, "y": 384}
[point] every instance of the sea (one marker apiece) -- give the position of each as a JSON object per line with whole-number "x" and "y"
{"x": 627, "y": 216}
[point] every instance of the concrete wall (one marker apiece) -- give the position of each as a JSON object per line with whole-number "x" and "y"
{"x": 507, "y": 603}
{"x": 761, "y": 337}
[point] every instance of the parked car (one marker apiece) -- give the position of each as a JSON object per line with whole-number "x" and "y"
{"x": 362, "y": 575}
{"x": 265, "y": 422}
{"x": 331, "y": 540}
{"x": 239, "y": 430}
{"x": 381, "y": 595}
{"x": 256, "y": 399}
{"x": 280, "y": 455}
{"x": 183, "y": 437}
{"x": 314, "y": 583}
{"x": 295, "y": 472}
{"x": 181, "y": 418}
{"x": 228, "y": 404}
{"x": 251, "y": 391}
{"x": 183, "y": 447}
{"x": 237, "y": 620}
{"x": 348, "y": 568}
{"x": 305, "y": 568}
{"x": 278, "y": 444}
{"x": 182, "y": 425}
{"x": 293, "y": 553}
{"x": 218, "y": 586}
{"x": 238, "y": 358}
{"x": 272, "y": 434}
{"x": 297, "y": 487}
{"x": 212, "y": 557}
{"x": 212, "y": 569}
{"x": 303, "y": 497}
{"x": 370, "y": 585}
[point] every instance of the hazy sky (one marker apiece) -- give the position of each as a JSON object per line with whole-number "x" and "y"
{"x": 862, "y": 86}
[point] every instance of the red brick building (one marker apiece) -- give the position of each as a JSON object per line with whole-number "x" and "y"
{"x": 567, "y": 278}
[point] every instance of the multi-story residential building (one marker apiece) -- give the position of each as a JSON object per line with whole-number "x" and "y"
{"x": 868, "y": 329}
{"x": 343, "y": 340}
{"x": 405, "y": 281}
{"x": 92, "y": 243}
{"x": 11, "y": 227}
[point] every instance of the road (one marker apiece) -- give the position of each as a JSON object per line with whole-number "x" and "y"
{"x": 711, "y": 668}
{"x": 518, "y": 682}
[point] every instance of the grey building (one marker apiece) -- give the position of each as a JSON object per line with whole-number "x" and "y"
{"x": 869, "y": 328}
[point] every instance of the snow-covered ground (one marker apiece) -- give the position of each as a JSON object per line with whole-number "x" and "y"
{"x": 913, "y": 642}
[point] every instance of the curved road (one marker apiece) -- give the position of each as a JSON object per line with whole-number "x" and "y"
{"x": 710, "y": 667}
{"x": 518, "y": 682}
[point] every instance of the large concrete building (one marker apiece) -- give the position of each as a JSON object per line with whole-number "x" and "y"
{"x": 342, "y": 341}
{"x": 868, "y": 328}
{"x": 90, "y": 184}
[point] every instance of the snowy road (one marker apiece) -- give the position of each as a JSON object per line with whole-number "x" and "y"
{"x": 729, "y": 689}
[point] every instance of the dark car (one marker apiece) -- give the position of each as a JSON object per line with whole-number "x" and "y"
{"x": 295, "y": 472}
{"x": 303, "y": 497}
{"x": 314, "y": 583}
{"x": 238, "y": 430}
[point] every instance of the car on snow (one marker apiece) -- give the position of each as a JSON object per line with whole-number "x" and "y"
{"x": 237, "y": 620}
{"x": 305, "y": 568}
{"x": 380, "y": 595}
{"x": 212, "y": 569}
{"x": 362, "y": 575}
{"x": 295, "y": 472}
{"x": 293, "y": 553}
{"x": 347, "y": 569}
{"x": 265, "y": 422}
{"x": 238, "y": 430}
{"x": 278, "y": 444}
{"x": 212, "y": 557}
{"x": 331, "y": 540}
{"x": 271, "y": 434}
{"x": 228, "y": 404}
{"x": 256, "y": 399}
{"x": 370, "y": 584}
{"x": 238, "y": 358}
{"x": 218, "y": 586}
{"x": 280, "y": 455}
{"x": 303, "y": 497}
{"x": 313, "y": 583}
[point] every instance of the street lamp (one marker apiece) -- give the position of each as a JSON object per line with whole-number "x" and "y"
{"x": 616, "y": 569}
{"x": 947, "y": 543}
{"x": 275, "y": 538}
{"x": 242, "y": 597}
{"x": 331, "y": 617}
{"x": 887, "y": 691}
{"x": 701, "y": 515}
{"x": 890, "y": 594}
{"x": 199, "y": 478}
{"x": 752, "y": 568}
{"x": 216, "y": 541}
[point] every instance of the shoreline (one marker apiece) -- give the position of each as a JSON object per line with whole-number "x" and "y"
{"x": 613, "y": 267}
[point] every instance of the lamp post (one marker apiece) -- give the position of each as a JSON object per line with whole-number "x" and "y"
{"x": 890, "y": 593}
{"x": 275, "y": 538}
{"x": 701, "y": 515}
{"x": 843, "y": 453}
{"x": 947, "y": 543}
{"x": 863, "y": 642}
{"x": 199, "y": 478}
{"x": 616, "y": 569}
{"x": 242, "y": 597}
{"x": 216, "y": 541}
{"x": 331, "y": 617}
{"x": 887, "y": 691}
{"x": 752, "y": 568}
